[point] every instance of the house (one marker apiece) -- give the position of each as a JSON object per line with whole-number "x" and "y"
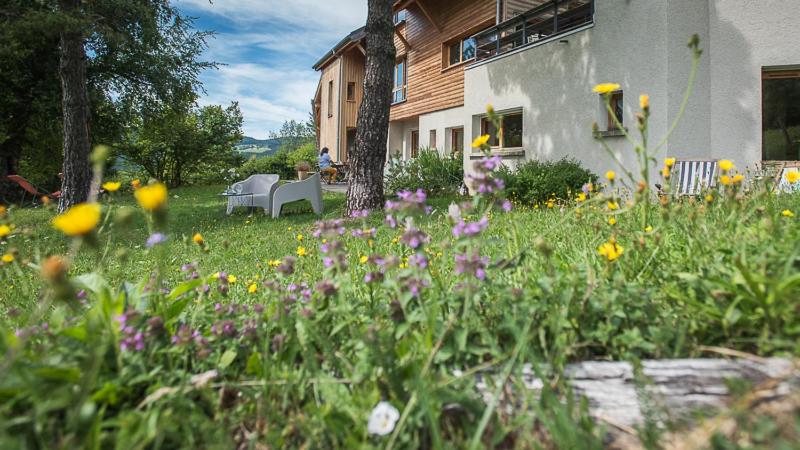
{"x": 536, "y": 61}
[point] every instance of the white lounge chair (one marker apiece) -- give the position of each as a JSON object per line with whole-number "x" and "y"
{"x": 308, "y": 189}
{"x": 689, "y": 178}
{"x": 254, "y": 192}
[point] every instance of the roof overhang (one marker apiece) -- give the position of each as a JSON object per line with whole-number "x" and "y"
{"x": 350, "y": 40}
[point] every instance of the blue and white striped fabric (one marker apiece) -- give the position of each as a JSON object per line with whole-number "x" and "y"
{"x": 783, "y": 184}
{"x": 691, "y": 177}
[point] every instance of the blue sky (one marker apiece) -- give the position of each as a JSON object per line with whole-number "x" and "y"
{"x": 267, "y": 48}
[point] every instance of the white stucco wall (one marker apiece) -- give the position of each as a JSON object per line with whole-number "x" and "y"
{"x": 746, "y": 36}
{"x": 552, "y": 84}
{"x": 400, "y": 137}
{"x": 443, "y": 122}
{"x": 642, "y": 46}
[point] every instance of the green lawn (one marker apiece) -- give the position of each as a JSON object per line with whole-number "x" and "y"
{"x": 299, "y": 369}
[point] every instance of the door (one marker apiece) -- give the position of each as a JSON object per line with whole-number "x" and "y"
{"x": 457, "y": 141}
{"x": 781, "y": 115}
{"x": 414, "y": 143}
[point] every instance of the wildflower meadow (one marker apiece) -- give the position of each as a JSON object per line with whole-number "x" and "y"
{"x": 147, "y": 319}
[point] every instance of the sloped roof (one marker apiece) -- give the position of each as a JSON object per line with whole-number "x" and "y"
{"x": 352, "y": 38}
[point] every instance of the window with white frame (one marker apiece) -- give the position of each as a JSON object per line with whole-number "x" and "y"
{"x": 400, "y": 83}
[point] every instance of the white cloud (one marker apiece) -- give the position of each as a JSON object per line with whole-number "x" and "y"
{"x": 267, "y": 48}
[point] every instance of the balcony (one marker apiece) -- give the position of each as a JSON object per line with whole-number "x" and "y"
{"x": 546, "y": 21}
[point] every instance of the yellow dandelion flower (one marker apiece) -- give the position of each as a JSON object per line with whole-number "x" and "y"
{"x": 299, "y": 238}
{"x": 665, "y": 172}
{"x": 612, "y": 205}
{"x": 301, "y": 251}
{"x": 611, "y": 175}
{"x": 648, "y": 229}
{"x": 669, "y": 162}
{"x": 136, "y": 184}
{"x": 480, "y": 141}
{"x": 79, "y": 220}
{"x": 725, "y": 180}
{"x": 289, "y": 229}
{"x": 791, "y": 177}
{"x": 5, "y": 230}
{"x": 709, "y": 198}
{"x": 198, "y": 239}
{"x": 644, "y": 101}
{"x": 152, "y": 197}
{"x": 3, "y": 210}
{"x": 611, "y": 250}
{"x": 370, "y": 243}
{"x": 606, "y": 88}
{"x": 8, "y": 258}
{"x": 112, "y": 186}
{"x": 787, "y": 213}
{"x": 581, "y": 197}
{"x": 232, "y": 278}
{"x": 253, "y": 288}
{"x": 612, "y": 221}
{"x": 726, "y": 165}
{"x": 550, "y": 204}
{"x": 738, "y": 178}
{"x": 363, "y": 259}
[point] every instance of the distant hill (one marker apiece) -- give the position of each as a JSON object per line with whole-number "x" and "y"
{"x": 257, "y": 147}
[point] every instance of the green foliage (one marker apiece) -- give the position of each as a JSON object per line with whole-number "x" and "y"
{"x": 294, "y": 134}
{"x": 273, "y": 164}
{"x": 539, "y": 181}
{"x": 429, "y": 171}
{"x": 181, "y": 144}
{"x": 306, "y": 152}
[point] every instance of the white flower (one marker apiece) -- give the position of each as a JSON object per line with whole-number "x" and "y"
{"x": 382, "y": 419}
{"x": 454, "y": 212}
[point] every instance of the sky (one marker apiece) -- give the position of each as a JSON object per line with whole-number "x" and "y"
{"x": 266, "y": 49}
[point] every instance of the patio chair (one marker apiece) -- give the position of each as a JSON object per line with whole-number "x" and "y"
{"x": 309, "y": 189}
{"x": 30, "y": 188}
{"x": 690, "y": 177}
{"x": 254, "y": 192}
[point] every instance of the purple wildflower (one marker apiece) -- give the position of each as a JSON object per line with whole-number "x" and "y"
{"x": 414, "y": 238}
{"x": 155, "y": 239}
{"x": 464, "y": 229}
{"x": 473, "y": 264}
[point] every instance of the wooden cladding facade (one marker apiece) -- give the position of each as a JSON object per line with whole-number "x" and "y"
{"x": 430, "y": 26}
{"x": 335, "y": 112}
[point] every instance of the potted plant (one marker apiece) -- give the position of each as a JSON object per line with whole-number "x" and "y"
{"x": 303, "y": 170}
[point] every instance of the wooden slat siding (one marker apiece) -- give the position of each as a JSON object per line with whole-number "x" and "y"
{"x": 429, "y": 87}
{"x": 327, "y": 126}
{"x": 354, "y": 67}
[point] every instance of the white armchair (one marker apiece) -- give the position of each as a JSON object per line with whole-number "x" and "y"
{"x": 257, "y": 192}
{"x": 308, "y": 189}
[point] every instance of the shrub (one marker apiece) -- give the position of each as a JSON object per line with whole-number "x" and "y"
{"x": 307, "y": 153}
{"x": 277, "y": 164}
{"x": 539, "y": 181}
{"x": 429, "y": 171}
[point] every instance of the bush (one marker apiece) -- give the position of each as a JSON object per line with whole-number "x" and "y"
{"x": 277, "y": 164}
{"x": 539, "y": 181}
{"x": 429, "y": 171}
{"x": 307, "y": 152}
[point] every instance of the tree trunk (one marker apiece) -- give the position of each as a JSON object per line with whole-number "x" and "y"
{"x": 75, "y": 104}
{"x": 369, "y": 154}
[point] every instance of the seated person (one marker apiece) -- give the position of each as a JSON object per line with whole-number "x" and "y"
{"x": 325, "y": 168}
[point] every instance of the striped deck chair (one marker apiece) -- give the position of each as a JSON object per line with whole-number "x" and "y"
{"x": 690, "y": 177}
{"x": 783, "y": 185}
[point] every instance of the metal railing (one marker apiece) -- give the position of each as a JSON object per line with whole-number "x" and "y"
{"x": 542, "y": 22}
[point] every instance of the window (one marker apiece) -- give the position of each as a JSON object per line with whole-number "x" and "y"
{"x": 351, "y": 91}
{"x": 510, "y": 133}
{"x": 414, "y": 143}
{"x": 330, "y": 99}
{"x": 616, "y": 101}
{"x": 400, "y": 16}
{"x": 432, "y": 143}
{"x": 457, "y": 140}
{"x": 460, "y": 51}
{"x": 781, "y": 115}
{"x": 399, "y": 90}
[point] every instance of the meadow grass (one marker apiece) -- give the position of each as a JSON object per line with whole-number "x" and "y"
{"x": 297, "y": 352}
